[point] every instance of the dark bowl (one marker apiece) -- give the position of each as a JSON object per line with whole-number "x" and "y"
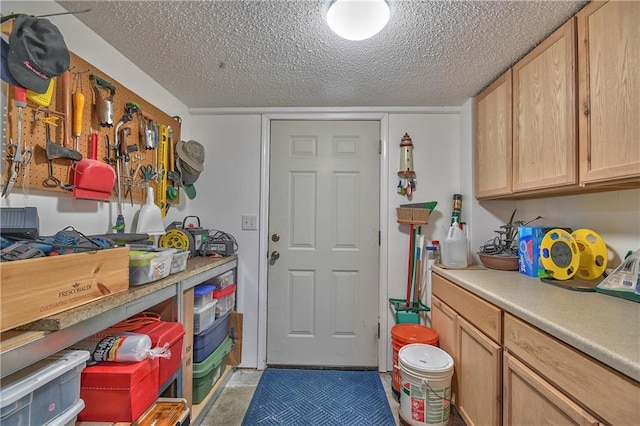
{"x": 502, "y": 263}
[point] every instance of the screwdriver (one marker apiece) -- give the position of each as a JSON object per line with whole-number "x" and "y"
{"x": 78, "y": 110}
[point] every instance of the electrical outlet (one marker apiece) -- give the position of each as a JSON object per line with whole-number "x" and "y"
{"x": 249, "y": 222}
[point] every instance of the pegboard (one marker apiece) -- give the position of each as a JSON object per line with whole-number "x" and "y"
{"x": 58, "y": 112}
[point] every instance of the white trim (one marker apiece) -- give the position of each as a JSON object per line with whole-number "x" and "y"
{"x": 263, "y": 246}
{"x": 289, "y": 112}
{"x": 383, "y": 291}
{"x": 383, "y": 274}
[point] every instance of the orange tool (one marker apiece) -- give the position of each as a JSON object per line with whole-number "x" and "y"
{"x": 78, "y": 111}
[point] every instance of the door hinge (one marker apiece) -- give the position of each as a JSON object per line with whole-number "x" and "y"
{"x": 380, "y": 147}
{"x": 379, "y": 238}
{"x": 378, "y": 330}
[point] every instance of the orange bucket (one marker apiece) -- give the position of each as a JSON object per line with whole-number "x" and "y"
{"x": 404, "y": 334}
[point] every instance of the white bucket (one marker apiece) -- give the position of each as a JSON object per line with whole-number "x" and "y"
{"x": 425, "y": 391}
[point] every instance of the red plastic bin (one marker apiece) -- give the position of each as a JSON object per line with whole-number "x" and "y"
{"x": 162, "y": 333}
{"x": 118, "y": 391}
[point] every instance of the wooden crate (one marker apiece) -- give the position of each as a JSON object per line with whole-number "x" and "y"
{"x": 33, "y": 289}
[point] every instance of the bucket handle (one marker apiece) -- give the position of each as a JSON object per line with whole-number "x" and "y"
{"x": 425, "y": 383}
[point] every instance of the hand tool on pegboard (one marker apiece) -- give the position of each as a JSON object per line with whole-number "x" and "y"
{"x": 66, "y": 108}
{"x": 129, "y": 109}
{"x": 172, "y": 190}
{"x": 163, "y": 159}
{"x": 78, "y": 109}
{"x": 54, "y": 151}
{"x": 104, "y": 105}
{"x": 19, "y": 159}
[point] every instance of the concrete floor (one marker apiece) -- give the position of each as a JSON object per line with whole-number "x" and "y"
{"x": 231, "y": 405}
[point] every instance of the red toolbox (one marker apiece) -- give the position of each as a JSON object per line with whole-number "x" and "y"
{"x": 118, "y": 391}
{"x": 162, "y": 333}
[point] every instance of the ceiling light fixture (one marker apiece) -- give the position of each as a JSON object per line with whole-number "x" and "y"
{"x": 358, "y": 19}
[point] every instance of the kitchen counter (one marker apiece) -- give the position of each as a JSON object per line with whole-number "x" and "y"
{"x": 601, "y": 326}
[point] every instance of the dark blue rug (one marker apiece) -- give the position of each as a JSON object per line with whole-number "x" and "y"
{"x": 319, "y": 397}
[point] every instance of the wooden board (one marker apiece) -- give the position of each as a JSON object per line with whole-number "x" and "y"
{"x": 34, "y": 132}
{"x": 36, "y": 288}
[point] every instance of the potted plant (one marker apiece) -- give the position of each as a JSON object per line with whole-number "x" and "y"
{"x": 501, "y": 252}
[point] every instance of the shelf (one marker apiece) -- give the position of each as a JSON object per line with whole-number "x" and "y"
{"x": 21, "y": 348}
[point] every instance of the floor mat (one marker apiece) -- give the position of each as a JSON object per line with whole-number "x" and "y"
{"x": 319, "y": 397}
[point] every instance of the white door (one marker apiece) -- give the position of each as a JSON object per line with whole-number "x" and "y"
{"x": 322, "y": 293}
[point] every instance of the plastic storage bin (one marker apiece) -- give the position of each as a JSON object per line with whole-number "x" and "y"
{"x": 166, "y": 333}
{"x": 148, "y": 266}
{"x": 69, "y": 417}
{"x": 204, "y": 317}
{"x": 206, "y": 342}
{"x": 118, "y": 391}
{"x": 207, "y": 372}
{"x": 224, "y": 280}
{"x": 179, "y": 261}
{"x": 202, "y": 295}
{"x": 37, "y": 394}
{"x": 226, "y": 298}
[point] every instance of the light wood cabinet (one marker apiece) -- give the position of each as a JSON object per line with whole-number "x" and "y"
{"x": 479, "y": 376}
{"x": 609, "y": 91}
{"x": 443, "y": 320}
{"x": 575, "y": 103}
{"x": 470, "y": 330}
{"x": 606, "y": 393}
{"x": 493, "y": 133}
{"x": 509, "y": 372}
{"x": 544, "y": 124}
{"x": 531, "y": 400}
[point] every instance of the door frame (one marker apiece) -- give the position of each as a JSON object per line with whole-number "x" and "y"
{"x": 263, "y": 246}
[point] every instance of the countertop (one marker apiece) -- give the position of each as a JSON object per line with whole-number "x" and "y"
{"x": 604, "y": 327}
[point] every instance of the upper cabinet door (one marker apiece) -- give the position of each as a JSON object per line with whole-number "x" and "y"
{"x": 492, "y": 144}
{"x": 609, "y": 91}
{"x": 544, "y": 114}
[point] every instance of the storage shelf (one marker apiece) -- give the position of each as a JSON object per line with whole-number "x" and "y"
{"x": 21, "y": 348}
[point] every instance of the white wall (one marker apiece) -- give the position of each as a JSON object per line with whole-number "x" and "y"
{"x": 228, "y": 188}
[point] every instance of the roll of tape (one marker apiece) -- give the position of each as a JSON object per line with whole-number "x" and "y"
{"x": 176, "y": 238}
{"x": 593, "y": 254}
{"x": 559, "y": 254}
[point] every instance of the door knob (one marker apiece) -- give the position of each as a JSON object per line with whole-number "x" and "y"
{"x": 275, "y": 255}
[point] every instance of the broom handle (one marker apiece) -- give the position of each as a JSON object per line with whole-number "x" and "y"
{"x": 410, "y": 263}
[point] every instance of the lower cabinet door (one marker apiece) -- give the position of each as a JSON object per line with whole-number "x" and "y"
{"x": 479, "y": 373}
{"x": 443, "y": 320}
{"x": 530, "y": 400}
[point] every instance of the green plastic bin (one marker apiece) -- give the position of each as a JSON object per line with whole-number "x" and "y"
{"x": 207, "y": 372}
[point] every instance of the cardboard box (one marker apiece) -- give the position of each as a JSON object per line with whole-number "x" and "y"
{"x": 529, "y": 239}
{"x": 33, "y": 289}
{"x": 235, "y": 333}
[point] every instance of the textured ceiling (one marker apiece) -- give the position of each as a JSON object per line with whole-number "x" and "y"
{"x": 282, "y": 53}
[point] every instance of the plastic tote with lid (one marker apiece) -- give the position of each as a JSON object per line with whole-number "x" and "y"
{"x": 454, "y": 248}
